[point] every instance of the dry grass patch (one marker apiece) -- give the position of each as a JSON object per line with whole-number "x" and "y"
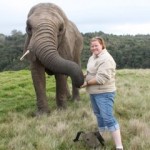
{"x": 20, "y": 131}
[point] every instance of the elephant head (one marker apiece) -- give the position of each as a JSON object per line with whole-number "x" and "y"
{"x": 50, "y": 42}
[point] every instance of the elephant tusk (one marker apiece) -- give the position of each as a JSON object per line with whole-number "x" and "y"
{"x": 27, "y": 52}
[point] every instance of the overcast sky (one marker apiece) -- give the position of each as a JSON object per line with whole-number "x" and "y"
{"x": 119, "y": 17}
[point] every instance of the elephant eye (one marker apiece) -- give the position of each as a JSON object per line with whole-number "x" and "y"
{"x": 61, "y": 29}
{"x": 29, "y": 28}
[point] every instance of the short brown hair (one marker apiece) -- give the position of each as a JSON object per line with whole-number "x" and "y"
{"x": 100, "y": 40}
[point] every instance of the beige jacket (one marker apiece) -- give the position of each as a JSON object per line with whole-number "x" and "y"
{"x": 103, "y": 68}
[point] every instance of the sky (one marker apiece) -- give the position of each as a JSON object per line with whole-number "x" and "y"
{"x": 118, "y": 17}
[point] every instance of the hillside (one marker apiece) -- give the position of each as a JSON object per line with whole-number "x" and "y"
{"x": 128, "y": 51}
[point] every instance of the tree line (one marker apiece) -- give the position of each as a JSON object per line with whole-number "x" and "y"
{"x": 128, "y": 51}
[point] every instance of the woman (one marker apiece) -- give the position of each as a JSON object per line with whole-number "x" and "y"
{"x": 100, "y": 84}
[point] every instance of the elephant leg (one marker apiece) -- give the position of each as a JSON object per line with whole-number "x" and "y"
{"x": 39, "y": 81}
{"x": 75, "y": 93}
{"x": 68, "y": 92}
{"x": 61, "y": 90}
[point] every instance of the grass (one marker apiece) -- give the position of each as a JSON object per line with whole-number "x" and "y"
{"x": 20, "y": 131}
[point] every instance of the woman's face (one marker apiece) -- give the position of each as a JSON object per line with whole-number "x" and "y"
{"x": 96, "y": 47}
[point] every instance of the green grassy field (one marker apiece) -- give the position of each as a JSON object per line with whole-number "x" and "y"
{"x": 20, "y": 131}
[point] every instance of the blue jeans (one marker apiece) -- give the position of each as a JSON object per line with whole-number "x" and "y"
{"x": 102, "y": 105}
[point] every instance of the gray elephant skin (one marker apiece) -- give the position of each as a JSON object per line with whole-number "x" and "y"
{"x": 55, "y": 46}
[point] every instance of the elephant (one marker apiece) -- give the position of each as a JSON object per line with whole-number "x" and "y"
{"x": 53, "y": 46}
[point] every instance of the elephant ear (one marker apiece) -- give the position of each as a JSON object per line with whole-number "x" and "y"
{"x": 30, "y": 56}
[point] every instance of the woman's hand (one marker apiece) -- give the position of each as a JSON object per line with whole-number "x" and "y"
{"x": 84, "y": 84}
{"x": 84, "y": 75}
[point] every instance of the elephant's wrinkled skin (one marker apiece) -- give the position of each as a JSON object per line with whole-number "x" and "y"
{"x": 55, "y": 46}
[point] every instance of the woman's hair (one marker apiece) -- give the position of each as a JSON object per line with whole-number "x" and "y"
{"x": 100, "y": 40}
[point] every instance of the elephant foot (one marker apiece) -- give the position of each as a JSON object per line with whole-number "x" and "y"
{"x": 40, "y": 113}
{"x": 61, "y": 106}
{"x": 76, "y": 98}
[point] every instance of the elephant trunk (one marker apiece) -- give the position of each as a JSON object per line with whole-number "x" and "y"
{"x": 45, "y": 49}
